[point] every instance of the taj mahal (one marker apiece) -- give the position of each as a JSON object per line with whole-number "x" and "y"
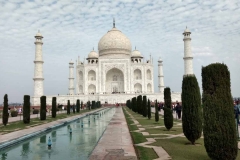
{"x": 113, "y": 74}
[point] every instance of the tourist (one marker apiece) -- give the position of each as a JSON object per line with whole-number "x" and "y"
{"x": 178, "y": 110}
{"x": 236, "y": 111}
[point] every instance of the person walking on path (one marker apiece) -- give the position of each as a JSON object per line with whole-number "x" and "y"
{"x": 179, "y": 110}
{"x": 236, "y": 111}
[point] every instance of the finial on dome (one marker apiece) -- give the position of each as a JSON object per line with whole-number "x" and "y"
{"x": 113, "y": 22}
{"x": 93, "y": 48}
{"x": 186, "y": 27}
{"x": 135, "y": 47}
{"x": 39, "y": 31}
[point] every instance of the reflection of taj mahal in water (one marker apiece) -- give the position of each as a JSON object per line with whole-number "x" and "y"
{"x": 113, "y": 74}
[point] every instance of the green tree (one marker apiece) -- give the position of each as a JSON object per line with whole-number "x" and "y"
{"x": 68, "y": 107}
{"x": 144, "y": 106}
{"x": 191, "y": 108}
{"x": 73, "y": 108}
{"x": 139, "y": 104}
{"x": 54, "y": 107}
{"x": 149, "y": 109}
{"x": 156, "y": 112}
{"x": 81, "y": 104}
{"x": 5, "y": 110}
{"x": 168, "y": 117}
{"x": 26, "y": 109}
{"x": 78, "y": 106}
{"x": 219, "y": 128}
{"x": 134, "y": 103}
{"x": 43, "y": 109}
{"x": 93, "y": 105}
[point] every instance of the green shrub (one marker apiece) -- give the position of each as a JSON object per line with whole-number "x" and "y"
{"x": 54, "y": 107}
{"x": 5, "y": 110}
{"x": 156, "y": 112}
{"x": 14, "y": 113}
{"x": 68, "y": 107}
{"x": 191, "y": 108}
{"x": 149, "y": 110}
{"x": 35, "y": 111}
{"x": 26, "y": 109}
{"x": 93, "y": 104}
{"x": 219, "y": 128}
{"x": 43, "y": 109}
{"x": 168, "y": 117}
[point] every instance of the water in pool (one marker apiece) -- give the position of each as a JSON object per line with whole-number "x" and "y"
{"x": 65, "y": 146}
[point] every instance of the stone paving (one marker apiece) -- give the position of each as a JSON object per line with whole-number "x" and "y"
{"x": 116, "y": 142}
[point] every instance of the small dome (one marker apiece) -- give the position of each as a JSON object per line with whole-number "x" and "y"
{"x": 114, "y": 41}
{"x": 71, "y": 62}
{"x": 93, "y": 54}
{"x": 136, "y": 53}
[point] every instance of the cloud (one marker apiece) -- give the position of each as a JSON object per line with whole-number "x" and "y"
{"x": 71, "y": 28}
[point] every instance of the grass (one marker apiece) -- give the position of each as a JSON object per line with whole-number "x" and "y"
{"x": 146, "y": 153}
{"x": 19, "y": 125}
{"x": 178, "y": 148}
{"x": 173, "y": 130}
{"x": 138, "y": 137}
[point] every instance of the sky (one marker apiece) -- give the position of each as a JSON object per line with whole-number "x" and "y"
{"x": 71, "y": 28}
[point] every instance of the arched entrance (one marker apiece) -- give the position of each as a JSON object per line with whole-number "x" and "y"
{"x": 114, "y": 81}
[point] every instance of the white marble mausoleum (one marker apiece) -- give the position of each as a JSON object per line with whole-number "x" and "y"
{"x": 113, "y": 74}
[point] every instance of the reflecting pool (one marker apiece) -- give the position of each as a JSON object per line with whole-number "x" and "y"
{"x": 65, "y": 146}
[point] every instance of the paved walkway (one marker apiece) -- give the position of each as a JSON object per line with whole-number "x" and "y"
{"x": 116, "y": 142}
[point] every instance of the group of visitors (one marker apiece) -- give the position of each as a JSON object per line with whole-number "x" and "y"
{"x": 176, "y": 108}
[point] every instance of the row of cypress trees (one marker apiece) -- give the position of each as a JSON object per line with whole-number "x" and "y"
{"x": 140, "y": 105}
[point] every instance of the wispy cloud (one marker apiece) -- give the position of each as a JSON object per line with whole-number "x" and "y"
{"x": 72, "y": 28}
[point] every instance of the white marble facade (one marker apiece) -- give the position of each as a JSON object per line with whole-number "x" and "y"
{"x": 114, "y": 74}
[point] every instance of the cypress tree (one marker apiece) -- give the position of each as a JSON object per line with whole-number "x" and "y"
{"x": 93, "y": 105}
{"x": 81, "y": 104}
{"x": 219, "y": 128}
{"x": 73, "y": 107}
{"x": 156, "y": 112}
{"x": 26, "y": 109}
{"x": 168, "y": 117}
{"x": 167, "y": 98}
{"x": 5, "y": 110}
{"x": 149, "y": 109}
{"x": 54, "y": 107}
{"x": 43, "y": 108}
{"x": 134, "y": 102}
{"x": 68, "y": 107}
{"x": 139, "y": 104}
{"x": 191, "y": 108}
{"x": 78, "y": 106}
{"x": 144, "y": 106}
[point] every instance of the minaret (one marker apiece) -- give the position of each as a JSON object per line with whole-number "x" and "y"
{"x": 71, "y": 78}
{"x": 160, "y": 76}
{"x": 38, "y": 70}
{"x": 188, "y": 68}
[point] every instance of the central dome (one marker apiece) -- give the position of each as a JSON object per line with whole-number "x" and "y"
{"x": 114, "y": 42}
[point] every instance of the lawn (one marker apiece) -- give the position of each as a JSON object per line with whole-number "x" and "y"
{"x": 178, "y": 148}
